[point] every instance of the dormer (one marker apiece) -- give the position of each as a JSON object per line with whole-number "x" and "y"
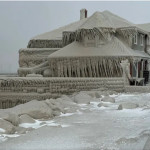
{"x": 140, "y": 40}
{"x": 93, "y": 41}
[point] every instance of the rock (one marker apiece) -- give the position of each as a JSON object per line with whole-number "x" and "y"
{"x": 146, "y": 108}
{"x": 56, "y": 113}
{"x": 58, "y": 105}
{"x": 10, "y": 117}
{"x": 82, "y": 98}
{"x": 147, "y": 144}
{"x": 66, "y": 98}
{"x": 127, "y": 140}
{"x": 7, "y": 127}
{"x": 54, "y": 105}
{"x": 35, "y": 109}
{"x": 26, "y": 119}
{"x": 91, "y": 94}
{"x": 127, "y": 106}
{"x": 108, "y": 99}
{"x": 71, "y": 109}
{"x": 20, "y": 130}
{"x": 103, "y": 105}
{"x": 66, "y": 101}
{"x": 111, "y": 92}
{"x": 105, "y": 93}
{"x": 97, "y": 95}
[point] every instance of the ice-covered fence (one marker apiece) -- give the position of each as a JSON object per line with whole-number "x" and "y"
{"x": 58, "y": 85}
{"x": 11, "y": 99}
{"x": 18, "y": 90}
{"x": 70, "y": 85}
{"x": 140, "y": 89}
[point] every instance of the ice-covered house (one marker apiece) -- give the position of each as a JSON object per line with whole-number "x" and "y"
{"x": 91, "y": 47}
{"x": 101, "y": 52}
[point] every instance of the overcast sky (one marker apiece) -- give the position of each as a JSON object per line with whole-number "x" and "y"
{"x": 20, "y": 21}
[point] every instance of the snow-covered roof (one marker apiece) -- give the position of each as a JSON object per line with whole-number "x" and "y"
{"x": 105, "y": 19}
{"x": 115, "y": 47}
{"x": 145, "y": 26}
{"x": 57, "y": 33}
{"x": 98, "y": 19}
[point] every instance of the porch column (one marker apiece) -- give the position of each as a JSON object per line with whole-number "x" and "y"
{"x": 135, "y": 61}
{"x": 148, "y": 65}
{"x": 142, "y": 69}
{"x": 137, "y": 69}
{"x": 126, "y": 71}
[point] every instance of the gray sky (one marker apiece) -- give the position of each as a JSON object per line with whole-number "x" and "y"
{"x": 20, "y": 21}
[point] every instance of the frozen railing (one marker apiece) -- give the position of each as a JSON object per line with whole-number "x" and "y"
{"x": 18, "y": 90}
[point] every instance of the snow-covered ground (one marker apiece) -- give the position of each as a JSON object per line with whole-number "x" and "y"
{"x": 90, "y": 126}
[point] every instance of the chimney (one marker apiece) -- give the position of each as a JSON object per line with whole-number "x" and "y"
{"x": 83, "y": 14}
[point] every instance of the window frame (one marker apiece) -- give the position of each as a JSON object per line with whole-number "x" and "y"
{"x": 135, "y": 38}
{"x": 141, "y": 39}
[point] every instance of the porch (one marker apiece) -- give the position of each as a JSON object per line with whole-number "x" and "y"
{"x": 139, "y": 71}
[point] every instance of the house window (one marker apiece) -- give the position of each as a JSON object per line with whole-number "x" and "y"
{"x": 141, "y": 40}
{"x": 135, "y": 39}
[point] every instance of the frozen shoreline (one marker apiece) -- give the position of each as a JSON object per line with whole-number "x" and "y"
{"x": 90, "y": 126}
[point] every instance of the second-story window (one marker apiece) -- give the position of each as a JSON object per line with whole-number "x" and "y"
{"x": 135, "y": 38}
{"x": 141, "y": 40}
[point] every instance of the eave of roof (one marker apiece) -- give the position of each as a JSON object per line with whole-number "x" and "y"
{"x": 114, "y": 48}
{"x": 136, "y": 28}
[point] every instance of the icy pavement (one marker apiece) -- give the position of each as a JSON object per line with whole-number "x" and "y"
{"x": 90, "y": 127}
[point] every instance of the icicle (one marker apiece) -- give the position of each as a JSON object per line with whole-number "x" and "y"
{"x": 100, "y": 68}
{"x": 104, "y": 66}
{"x": 85, "y": 69}
{"x": 97, "y": 71}
{"x": 69, "y": 67}
{"x": 89, "y": 67}
{"x": 78, "y": 68}
{"x": 83, "y": 74}
{"x": 117, "y": 68}
{"x": 94, "y": 67}
{"x": 58, "y": 66}
{"x": 114, "y": 69}
{"x": 64, "y": 69}
{"x": 105, "y": 74}
{"x": 109, "y": 67}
